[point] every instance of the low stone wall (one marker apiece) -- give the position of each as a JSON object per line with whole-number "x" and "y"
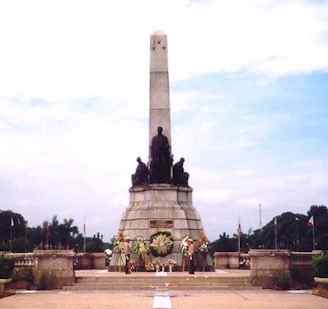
{"x": 84, "y": 261}
{"x": 321, "y": 288}
{"x": 94, "y": 260}
{"x": 223, "y": 260}
{"x": 99, "y": 260}
{"x": 53, "y": 268}
{"x": 301, "y": 266}
{"x": 268, "y": 263}
{"x": 295, "y": 265}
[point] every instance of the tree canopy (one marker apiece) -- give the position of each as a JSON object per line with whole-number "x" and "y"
{"x": 17, "y": 236}
{"x": 294, "y": 232}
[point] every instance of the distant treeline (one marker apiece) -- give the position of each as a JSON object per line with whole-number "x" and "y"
{"x": 294, "y": 232}
{"x": 17, "y": 236}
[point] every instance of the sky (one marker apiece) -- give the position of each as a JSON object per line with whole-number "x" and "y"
{"x": 248, "y": 86}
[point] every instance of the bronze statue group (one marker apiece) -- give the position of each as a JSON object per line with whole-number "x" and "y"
{"x": 160, "y": 169}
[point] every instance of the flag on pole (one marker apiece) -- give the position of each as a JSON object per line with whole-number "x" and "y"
{"x": 84, "y": 237}
{"x": 239, "y": 232}
{"x": 311, "y": 224}
{"x": 239, "y": 229}
{"x": 311, "y": 221}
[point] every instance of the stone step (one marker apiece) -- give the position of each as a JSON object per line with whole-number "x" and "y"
{"x": 163, "y": 284}
{"x": 159, "y": 279}
{"x": 180, "y": 287}
{"x": 146, "y": 286}
{"x": 149, "y": 282}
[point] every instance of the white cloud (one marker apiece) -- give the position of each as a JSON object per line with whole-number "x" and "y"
{"x": 74, "y": 99}
{"x": 80, "y": 48}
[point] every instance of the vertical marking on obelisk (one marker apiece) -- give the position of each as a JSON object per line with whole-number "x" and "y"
{"x": 159, "y": 89}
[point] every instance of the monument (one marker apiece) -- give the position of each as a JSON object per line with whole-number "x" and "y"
{"x": 160, "y": 210}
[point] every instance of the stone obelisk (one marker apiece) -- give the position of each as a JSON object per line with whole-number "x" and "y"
{"x": 159, "y": 90}
{"x": 160, "y": 210}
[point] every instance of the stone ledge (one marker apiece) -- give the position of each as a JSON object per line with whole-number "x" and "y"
{"x": 323, "y": 281}
{"x": 55, "y": 253}
{"x": 227, "y": 254}
{"x": 160, "y": 187}
{"x": 262, "y": 252}
{"x": 322, "y": 287}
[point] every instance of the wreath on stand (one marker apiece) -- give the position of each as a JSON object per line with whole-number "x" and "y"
{"x": 161, "y": 244}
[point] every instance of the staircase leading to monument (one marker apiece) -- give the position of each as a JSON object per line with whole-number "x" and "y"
{"x": 150, "y": 282}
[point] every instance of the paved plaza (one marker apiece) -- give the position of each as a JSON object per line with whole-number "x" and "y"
{"x": 244, "y": 299}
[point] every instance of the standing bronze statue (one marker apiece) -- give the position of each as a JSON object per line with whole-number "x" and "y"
{"x": 161, "y": 162}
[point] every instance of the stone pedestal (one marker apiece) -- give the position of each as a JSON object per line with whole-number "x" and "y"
{"x": 159, "y": 208}
{"x": 53, "y": 268}
{"x": 225, "y": 260}
{"x": 268, "y": 263}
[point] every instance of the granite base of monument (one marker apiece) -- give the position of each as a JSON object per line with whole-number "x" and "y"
{"x": 160, "y": 208}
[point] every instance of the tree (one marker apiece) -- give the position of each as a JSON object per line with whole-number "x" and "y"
{"x": 12, "y": 226}
{"x": 225, "y": 243}
{"x": 293, "y": 230}
{"x": 320, "y": 215}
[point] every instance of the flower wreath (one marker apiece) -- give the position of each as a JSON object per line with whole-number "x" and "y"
{"x": 140, "y": 247}
{"x": 161, "y": 243}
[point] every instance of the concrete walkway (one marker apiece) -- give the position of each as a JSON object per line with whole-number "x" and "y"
{"x": 259, "y": 299}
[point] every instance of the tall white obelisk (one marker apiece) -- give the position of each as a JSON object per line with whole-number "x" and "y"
{"x": 159, "y": 90}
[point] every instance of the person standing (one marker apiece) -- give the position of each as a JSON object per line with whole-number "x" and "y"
{"x": 191, "y": 256}
{"x": 127, "y": 252}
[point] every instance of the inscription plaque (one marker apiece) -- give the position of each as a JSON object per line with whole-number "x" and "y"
{"x": 161, "y": 224}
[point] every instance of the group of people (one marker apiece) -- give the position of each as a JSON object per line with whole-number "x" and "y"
{"x": 161, "y": 168}
{"x": 126, "y": 250}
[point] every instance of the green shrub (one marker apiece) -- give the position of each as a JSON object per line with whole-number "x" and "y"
{"x": 281, "y": 281}
{"x": 320, "y": 265}
{"x": 6, "y": 267}
{"x": 302, "y": 277}
{"x": 278, "y": 281}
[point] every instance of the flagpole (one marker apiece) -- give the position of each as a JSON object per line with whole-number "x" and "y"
{"x": 11, "y": 234}
{"x": 84, "y": 238}
{"x": 313, "y": 235}
{"x": 239, "y": 241}
{"x": 12, "y": 224}
{"x": 275, "y": 233}
{"x": 297, "y": 235}
{"x": 239, "y": 230}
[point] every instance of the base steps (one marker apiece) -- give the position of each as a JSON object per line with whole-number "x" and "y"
{"x": 147, "y": 282}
